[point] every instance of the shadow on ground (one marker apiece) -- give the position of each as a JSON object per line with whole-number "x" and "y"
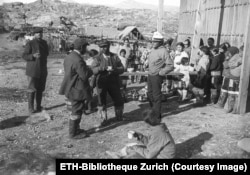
{"x": 13, "y": 122}
{"x": 55, "y": 106}
{"x": 192, "y": 147}
{"x": 168, "y": 108}
{"x": 32, "y": 161}
{"x": 12, "y": 94}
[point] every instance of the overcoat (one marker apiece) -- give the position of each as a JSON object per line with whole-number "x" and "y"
{"x": 36, "y": 67}
{"x": 75, "y": 85}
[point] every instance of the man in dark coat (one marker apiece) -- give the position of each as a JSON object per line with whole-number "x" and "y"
{"x": 75, "y": 86}
{"x": 107, "y": 67}
{"x": 36, "y": 53}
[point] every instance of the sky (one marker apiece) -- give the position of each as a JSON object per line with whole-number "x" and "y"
{"x": 105, "y": 2}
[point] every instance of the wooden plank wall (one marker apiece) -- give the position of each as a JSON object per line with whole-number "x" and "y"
{"x": 233, "y": 24}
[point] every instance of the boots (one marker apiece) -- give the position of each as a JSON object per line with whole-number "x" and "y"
{"x": 31, "y": 97}
{"x": 119, "y": 113}
{"x": 222, "y": 100}
{"x": 103, "y": 115}
{"x": 78, "y": 129}
{"x": 74, "y": 129}
{"x": 39, "y": 96}
{"x": 214, "y": 96}
{"x": 235, "y": 109}
{"x": 231, "y": 103}
{"x": 180, "y": 95}
{"x": 199, "y": 100}
{"x": 199, "y": 95}
{"x": 184, "y": 94}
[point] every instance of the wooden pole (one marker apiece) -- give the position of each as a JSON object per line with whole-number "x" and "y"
{"x": 160, "y": 15}
{"x": 245, "y": 72}
{"x": 197, "y": 31}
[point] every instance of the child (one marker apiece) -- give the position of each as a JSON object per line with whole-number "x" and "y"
{"x": 184, "y": 68}
{"x": 123, "y": 79}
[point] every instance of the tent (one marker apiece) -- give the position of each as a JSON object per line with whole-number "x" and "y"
{"x": 131, "y": 32}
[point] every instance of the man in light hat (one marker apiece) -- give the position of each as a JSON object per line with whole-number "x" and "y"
{"x": 107, "y": 67}
{"x": 75, "y": 86}
{"x": 160, "y": 64}
{"x": 36, "y": 53}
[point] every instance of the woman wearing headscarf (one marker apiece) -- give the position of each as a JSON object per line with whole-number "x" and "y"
{"x": 235, "y": 64}
{"x": 226, "y": 77}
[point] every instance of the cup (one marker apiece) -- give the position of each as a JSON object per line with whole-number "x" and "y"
{"x": 131, "y": 134}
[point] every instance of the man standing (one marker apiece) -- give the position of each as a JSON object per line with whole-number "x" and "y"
{"x": 160, "y": 64}
{"x": 107, "y": 67}
{"x": 75, "y": 86}
{"x": 36, "y": 53}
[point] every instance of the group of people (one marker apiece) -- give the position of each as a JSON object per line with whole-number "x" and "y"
{"x": 218, "y": 72}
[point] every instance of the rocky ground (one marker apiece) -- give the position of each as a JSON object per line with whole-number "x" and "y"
{"x": 29, "y": 144}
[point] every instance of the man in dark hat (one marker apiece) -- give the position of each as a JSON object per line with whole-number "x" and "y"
{"x": 160, "y": 64}
{"x": 107, "y": 67}
{"x": 75, "y": 86}
{"x": 36, "y": 53}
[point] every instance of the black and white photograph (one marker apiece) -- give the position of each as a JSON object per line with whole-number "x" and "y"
{"x": 123, "y": 79}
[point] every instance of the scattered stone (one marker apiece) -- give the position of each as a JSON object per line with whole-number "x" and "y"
{"x": 244, "y": 144}
{"x": 69, "y": 146}
{"x": 51, "y": 173}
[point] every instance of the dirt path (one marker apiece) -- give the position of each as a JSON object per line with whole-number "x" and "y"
{"x": 30, "y": 143}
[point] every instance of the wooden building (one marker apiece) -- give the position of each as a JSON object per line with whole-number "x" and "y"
{"x": 225, "y": 21}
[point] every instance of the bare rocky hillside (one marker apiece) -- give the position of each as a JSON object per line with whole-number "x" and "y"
{"x": 42, "y": 12}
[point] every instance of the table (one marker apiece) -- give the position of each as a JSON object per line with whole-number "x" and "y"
{"x": 125, "y": 74}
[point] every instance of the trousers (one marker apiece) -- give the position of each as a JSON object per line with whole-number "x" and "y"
{"x": 154, "y": 92}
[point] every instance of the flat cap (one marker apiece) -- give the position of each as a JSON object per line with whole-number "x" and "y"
{"x": 104, "y": 43}
{"x": 79, "y": 42}
{"x": 38, "y": 30}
